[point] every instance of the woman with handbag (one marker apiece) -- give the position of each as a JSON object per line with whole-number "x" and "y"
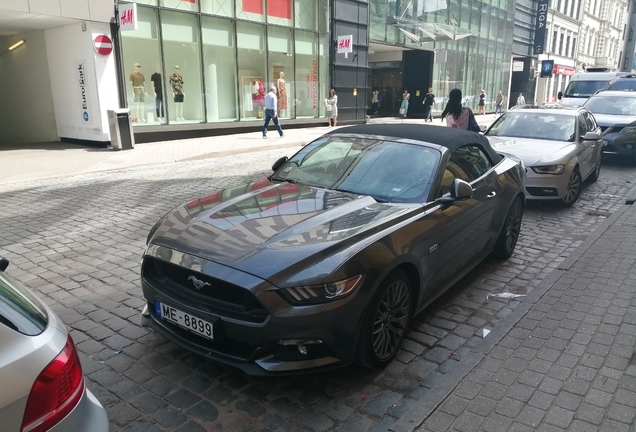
{"x": 332, "y": 108}
{"x": 457, "y": 115}
{"x": 404, "y": 108}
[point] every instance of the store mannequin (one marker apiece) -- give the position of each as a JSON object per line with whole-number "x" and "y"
{"x": 156, "y": 81}
{"x": 139, "y": 93}
{"x": 282, "y": 95}
{"x": 176, "y": 80}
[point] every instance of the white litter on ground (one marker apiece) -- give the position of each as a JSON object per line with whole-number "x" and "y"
{"x": 504, "y": 295}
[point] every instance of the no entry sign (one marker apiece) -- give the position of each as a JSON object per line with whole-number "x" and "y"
{"x": 103, "y": 45}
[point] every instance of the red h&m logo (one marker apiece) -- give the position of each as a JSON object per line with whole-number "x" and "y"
{"x": 344, "y": 44}
{"x": 126, "y": 17}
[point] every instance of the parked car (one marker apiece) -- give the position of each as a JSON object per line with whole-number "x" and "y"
{"x": 585, "y": 84}
{"x": 624, "y": 82}
{"x": 615, "y": 112}
{"x": 560, "y": 147}
{"x": 326, "y": 261}
{"x": 42, "y": 382}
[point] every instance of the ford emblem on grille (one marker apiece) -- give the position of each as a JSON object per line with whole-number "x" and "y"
{"x": 198, "y": 284}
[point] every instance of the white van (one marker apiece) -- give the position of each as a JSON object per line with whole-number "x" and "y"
{"x": 585, "y": 84}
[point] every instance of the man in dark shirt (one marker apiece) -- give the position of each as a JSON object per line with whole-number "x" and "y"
{"x": 429, "y": 101}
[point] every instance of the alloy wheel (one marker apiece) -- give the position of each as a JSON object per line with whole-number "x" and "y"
{"x": 391, "y": 319}
{"x": 513, "y": 225}
{"x": 573, "y": 189}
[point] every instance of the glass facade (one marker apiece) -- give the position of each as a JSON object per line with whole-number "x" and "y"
{"x": 208, "y": 61}
{"x": 472, "y": 41}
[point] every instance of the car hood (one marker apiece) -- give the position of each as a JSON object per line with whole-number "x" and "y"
{"x": 263, "y": 227}
{"x": 533, "y": 152}
{"x": 609, "y": 120}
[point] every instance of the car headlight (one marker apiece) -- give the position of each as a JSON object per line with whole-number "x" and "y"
{"x": 629, "y": 129}
{"x": 323, "y": 293}
{"x": 549, "y": 169}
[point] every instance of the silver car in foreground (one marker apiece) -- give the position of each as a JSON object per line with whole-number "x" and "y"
{"x": 41, "y": 381}
{"x": 561, "y": 147}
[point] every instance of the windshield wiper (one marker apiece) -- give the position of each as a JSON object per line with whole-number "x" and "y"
{"x": 280, "y": 179}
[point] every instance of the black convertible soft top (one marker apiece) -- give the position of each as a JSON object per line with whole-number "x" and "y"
{"x": 450, "y": 138}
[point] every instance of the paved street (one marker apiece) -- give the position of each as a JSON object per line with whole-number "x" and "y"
{"x": 77, "y": 241}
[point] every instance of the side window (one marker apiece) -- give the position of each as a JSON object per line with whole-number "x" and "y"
{"x": 467, "y": 163}
{"x": 582, "y": 126}
{"x": 591, "y": 122}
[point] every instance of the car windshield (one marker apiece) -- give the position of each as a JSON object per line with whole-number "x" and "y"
{"x": 535, "y": 124}
{"x": 19, "y": 310}
{"x": 386, "y": 170}
{"x": 613, "y": 105}
{"x": 584, "y": 89}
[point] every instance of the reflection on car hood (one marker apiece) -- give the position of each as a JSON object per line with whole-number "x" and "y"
{"x": 607, "y": 120}
{"x": 533, "y": 152}
{"x": 263, "y": 227}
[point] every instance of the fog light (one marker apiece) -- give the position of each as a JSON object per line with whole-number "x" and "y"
{"x": 629, "y": 146}
{"x": 302, "y": 349}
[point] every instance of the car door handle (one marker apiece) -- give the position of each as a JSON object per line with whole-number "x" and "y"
{"x": 491, "y": 194}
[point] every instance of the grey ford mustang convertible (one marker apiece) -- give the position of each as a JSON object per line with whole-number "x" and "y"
{"x": 325, "y": 262}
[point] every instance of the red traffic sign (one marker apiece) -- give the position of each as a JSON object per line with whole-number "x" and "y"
{"x": 103, "y": 45}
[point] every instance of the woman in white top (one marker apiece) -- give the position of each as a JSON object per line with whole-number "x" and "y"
{"x": 332, "y": 108}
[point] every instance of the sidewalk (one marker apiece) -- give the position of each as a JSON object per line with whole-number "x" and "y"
{"x": 563, "y": 360}
{"x": 55, "y": 159}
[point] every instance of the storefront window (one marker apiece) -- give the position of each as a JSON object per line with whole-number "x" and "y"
{"x": 142, "y": 70}
{"x": 188, "y": 5}
{"x": 323, "y": 74}
{"x": 182, "y": 66}
{"x": 305, "y": 14}
{"x": 252, "y": 69}
{"x": 281, "y": 68}
{"x": 252, "y": 10}
{"x": 279, "y": 12}
{"x": 145, "y": 2}
{"x": 323, "y": 15}
{"x": 219, "y": 60}
{"x": 218, "y": 7}
{"x": 307, "y": 101}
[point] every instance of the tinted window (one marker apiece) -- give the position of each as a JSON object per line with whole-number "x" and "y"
{"x": 582, "y": 126}
{"x": 584, "y": 89}
{"x": 20, "y": 310}
{"x": 467, "y": 163}
{"x": 591, "y": 122}
{"x": 624, "y": 84}
{"x": 388, "y": 171}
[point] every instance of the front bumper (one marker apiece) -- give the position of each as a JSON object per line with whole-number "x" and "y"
{"x": 546, "y": 186}
{"x": 271, "y": 344}
{"x": 623, "y": 144}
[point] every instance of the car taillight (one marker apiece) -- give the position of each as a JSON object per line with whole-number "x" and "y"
{"x": 56, "y": 391}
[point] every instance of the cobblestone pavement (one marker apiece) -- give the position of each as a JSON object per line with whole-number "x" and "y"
{"x": 77, "y": 241}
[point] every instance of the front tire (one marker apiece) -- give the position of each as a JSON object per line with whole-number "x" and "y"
{"x": 509, "y": 234}
{"x": 573, "y": 190}
{"x": 385, "y": 322}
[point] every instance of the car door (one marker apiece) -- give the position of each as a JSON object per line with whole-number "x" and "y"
{"x": 597, "y": 146}
{"x": 587, "y": 162}
{"x": 466, "y": 226}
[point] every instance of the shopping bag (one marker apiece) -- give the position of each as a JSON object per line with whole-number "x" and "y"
{"x": 402, "y": 111}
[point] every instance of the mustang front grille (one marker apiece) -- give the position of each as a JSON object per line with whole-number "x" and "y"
{"x": 198, "y": 289}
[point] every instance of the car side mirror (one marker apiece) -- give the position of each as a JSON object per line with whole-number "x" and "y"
{"x": 483, "y": 128}
{"x": 279, "y": 163}
{"x": 460, "y": 191}
{"x": 591, "y": 136}
{"x": 4, "y": 263}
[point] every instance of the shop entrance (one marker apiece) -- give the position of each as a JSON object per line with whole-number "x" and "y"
{"x": 388, "y": 81}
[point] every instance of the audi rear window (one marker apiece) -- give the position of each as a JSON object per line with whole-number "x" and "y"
{"x": 19, "y": 309}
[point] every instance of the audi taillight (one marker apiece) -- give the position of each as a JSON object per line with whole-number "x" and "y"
{"x": 56, "y": 391}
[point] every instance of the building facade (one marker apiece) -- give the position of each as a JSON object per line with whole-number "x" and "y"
{"x": 561, "y": 46}
{"x": 601, "y": 33}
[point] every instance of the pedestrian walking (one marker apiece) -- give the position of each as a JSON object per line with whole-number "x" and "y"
{"x": 429, "y": 101}
{"x": 521, "y": 100}
{"x": 332, "y": 108}
{"x": 457, "y": 115}
{"x": 271, "y": 111}
{"x": 375, "y": 101}
{"x": 499, "y": 103}
{"x": 404, "y": 108}
{"x": 482, "y": 102}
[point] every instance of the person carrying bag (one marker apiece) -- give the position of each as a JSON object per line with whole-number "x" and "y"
{"x": 458, "y": 116}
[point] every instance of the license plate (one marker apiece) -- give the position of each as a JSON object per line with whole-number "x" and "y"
{"x": 190, "y": 322}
